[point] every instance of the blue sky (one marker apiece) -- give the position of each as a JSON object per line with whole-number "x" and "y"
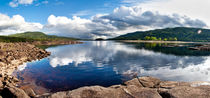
{"x": 100, "y": 18}
{"x": 39, "y": 12}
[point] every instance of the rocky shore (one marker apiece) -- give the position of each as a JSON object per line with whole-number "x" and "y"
{"x": 11, "y": 56}
{"x": 14, "y": 54}
{"x": 55, "y": 42}
{"x": 144, "y": 87}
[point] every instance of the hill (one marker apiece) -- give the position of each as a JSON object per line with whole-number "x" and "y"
{"x": 178, "y": 33}
{"x": 39, "y": 36}
{"x": 14, "y": 39}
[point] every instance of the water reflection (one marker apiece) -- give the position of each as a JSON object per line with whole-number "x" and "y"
{"x": 119, "y": 55}
{"x": 106, "y": 63}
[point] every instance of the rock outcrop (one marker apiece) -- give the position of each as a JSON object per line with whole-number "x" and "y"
{"x": 145, "y": 87}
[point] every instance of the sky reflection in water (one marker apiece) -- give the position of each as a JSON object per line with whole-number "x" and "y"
{"x": 107, "y": 63}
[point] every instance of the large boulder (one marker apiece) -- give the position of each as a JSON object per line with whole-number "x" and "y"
{"x": 134, "y": 82}
{"x": 172, "y": 84}
{"x": 150, "y": 82}
{"x": 30, "y": 92}
{"x": 117, "y": 91}
{"x": 137, "y": 92}
{"x": 88, "y": 92}
{"x": 186, "y": 92}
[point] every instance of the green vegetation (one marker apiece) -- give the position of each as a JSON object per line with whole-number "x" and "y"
{"x": 32, "y": 36}
{"x": 14, "y": 39}
{"x": 169, "y": 34}
{"x": 160, "y": 39}
{"x": 169, "y": 48}
{"x": 39, "y": 36}
{"x": 165, "y": 39}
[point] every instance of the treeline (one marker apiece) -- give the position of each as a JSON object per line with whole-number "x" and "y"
{"x": 14, "y": 39}
{"x": 32, "y": 36}
{"x": 180, "y": 33}
{"x": 39, "y": 36}
{"x": 159, "y": 39}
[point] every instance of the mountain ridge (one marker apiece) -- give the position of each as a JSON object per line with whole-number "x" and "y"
{"x": 180, "y": 33}
{"x": 33, "y": 36}
{"x": 40, "y": 36}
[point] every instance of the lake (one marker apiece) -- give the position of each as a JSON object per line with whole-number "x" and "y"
{"x": 109, "y": 63}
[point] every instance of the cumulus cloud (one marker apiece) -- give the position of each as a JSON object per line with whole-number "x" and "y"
{"x": 139, "y": 17}
{"x": 15, "y": 3}
{"x": 15, "y": 24}
{"x": 122, "y": 20}
{"x": 191, "y": 8}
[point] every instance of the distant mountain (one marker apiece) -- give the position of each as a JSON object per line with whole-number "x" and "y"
{"x": 13, "y": 39}
{"x": 39, "y": 36}
{"x": 178, "y": 33}
{"x": 32, "y": 36}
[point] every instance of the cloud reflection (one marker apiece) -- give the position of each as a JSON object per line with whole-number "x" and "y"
{"x": 126, "y": 60}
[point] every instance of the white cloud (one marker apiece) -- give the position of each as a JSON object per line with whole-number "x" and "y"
{"x": 75, "y": 27}
{"x": 191, "y": 8}
{"x": 15, "y": 3}
{"x": 16, "y": 24}
{"x": 147, "y": 15}
{"x": 122, "y": 20}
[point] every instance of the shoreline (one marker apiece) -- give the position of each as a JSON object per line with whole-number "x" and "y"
{"x": 150, "y": 41}
{"x": 56, "y": 42}
{"x": 145, "y": 87}
{"x": 15, "y": 54}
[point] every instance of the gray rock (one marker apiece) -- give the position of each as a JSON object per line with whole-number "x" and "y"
{"x": 186, "y": 92}
{"x": 130, "y": 91}
{"x": 150, "y": 82}
{"x": 30, "y": 92}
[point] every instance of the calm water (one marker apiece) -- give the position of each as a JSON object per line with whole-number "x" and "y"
{"x": 107, "y": 63}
